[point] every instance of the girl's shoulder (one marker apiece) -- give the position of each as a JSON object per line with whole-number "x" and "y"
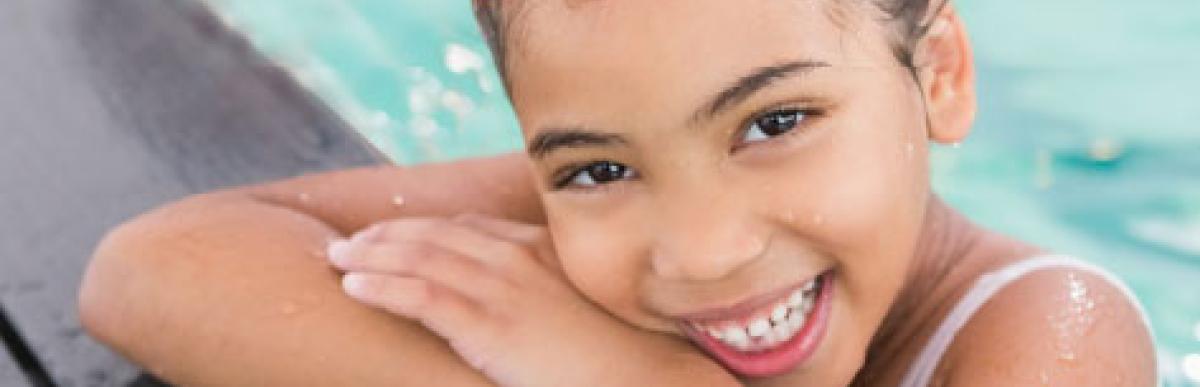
{"x": 1048, "y": 320}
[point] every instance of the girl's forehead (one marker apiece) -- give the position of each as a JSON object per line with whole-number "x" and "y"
{"x": 539, "y": 25}
{"x": 577, "y": 56}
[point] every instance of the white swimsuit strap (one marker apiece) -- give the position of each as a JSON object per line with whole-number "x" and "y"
{"x": 921, "y": 370}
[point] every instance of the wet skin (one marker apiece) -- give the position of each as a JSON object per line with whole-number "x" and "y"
{"x": 819, "y": 163}
{"x": 665, "y": 198}
{"x": 710, "y": 218}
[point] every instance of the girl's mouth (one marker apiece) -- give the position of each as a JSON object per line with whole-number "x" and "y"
{"x": 771, "y": 337}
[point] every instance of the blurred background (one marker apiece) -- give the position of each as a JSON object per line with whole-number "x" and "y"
{"x": 1088, "y": 140}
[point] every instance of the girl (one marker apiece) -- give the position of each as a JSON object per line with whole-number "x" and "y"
{"x": 714, "y": 193}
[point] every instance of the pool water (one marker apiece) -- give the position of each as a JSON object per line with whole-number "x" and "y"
{"x": 1088, "y": 140}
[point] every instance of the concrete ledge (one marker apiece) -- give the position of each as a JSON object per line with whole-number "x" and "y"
{"x": 109, "y": 108}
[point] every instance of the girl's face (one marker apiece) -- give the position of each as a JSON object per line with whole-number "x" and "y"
{"x": 704, "y": 161}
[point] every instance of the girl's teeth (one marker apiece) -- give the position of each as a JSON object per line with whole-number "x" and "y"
{"x": 811, "y": 285}
{"x": 796, "y": 320}
{"x": 759, "y": 327}
{"x": 779, "y": 315}
{"x": 735, "y": 336}
{"x": 796, "y": 299}
{"x": 767, "y": 331}
{"x": 717, "y": 333}
{"x": 781, "y": 333}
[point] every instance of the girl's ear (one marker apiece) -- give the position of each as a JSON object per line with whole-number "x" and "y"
{"x": 947, "y": 74}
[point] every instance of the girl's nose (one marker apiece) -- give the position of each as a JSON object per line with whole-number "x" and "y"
{"x": 706, "y": 242}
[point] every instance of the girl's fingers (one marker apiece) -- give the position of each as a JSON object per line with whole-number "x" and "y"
{"x": 424, "y": 261}
{"x": 505, "y": 229}
{"x": 401, "y": 295}
{"x": 535, "y": 237}
{"x": 495, "y": 253}
{"x": 340, "y": 248}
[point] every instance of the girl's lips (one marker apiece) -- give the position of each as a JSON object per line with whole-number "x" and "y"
{"x": 779, "y": 357}
{"x": 740, "y": 309}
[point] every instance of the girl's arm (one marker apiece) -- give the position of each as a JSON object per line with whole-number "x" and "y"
{"x": 484, "y": 285}
{"x": 347, "y": 201}
{"x": 1058, "y": 328}
{"x": 232, "y": 287}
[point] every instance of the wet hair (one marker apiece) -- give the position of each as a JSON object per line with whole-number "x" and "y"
{"x": 909, "y": 19}
{"x": 487, "y": 14}
{"x": 912, "y": 19}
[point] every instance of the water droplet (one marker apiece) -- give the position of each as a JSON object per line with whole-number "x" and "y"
{"x": 397, "y": 200}
{"x": 789, "y": 217}
{"x": 1078, "y": 290}
{"x": 910, "y": 149}
{"x": 818, "y": 219}
{"x": 304, "y": 197}
{"x": 956, "y": 145}
{"x": 1072, "y": 323}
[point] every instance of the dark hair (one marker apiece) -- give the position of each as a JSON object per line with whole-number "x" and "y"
{"x": 907, "y": 16}
{"x": 910, "y": 16}
{"x": 487, "y": 13}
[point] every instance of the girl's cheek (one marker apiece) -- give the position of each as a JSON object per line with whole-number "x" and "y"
{"x": 862, "y": 201}
{"x": 876, "y": 174}
{"x": 600, "y": 262}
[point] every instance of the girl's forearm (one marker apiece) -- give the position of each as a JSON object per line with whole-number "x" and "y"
{"x": 501, "y": 186}
{"x": 221, "y": 290}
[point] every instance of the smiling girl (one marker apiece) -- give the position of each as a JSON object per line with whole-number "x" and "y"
{"x": 714, "y": 193}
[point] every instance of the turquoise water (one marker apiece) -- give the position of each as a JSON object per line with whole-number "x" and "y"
{"x": 1088, "y": 139}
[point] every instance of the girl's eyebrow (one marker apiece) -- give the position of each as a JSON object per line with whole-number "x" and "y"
{"x": 550, "y": 140}
{"x": 749, "y": 84}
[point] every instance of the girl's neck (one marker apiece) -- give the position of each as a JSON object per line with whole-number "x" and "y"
{"x": 950, "y": 254}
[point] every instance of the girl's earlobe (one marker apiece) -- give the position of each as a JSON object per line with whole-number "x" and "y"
{"x": 949, "y": 90}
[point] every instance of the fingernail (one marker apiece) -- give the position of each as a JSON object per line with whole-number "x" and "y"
{"x": 338, "y": 249}
{"x": 354, "y": 284}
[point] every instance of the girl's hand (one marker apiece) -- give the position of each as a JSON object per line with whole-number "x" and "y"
{"x": 489, "y": 288}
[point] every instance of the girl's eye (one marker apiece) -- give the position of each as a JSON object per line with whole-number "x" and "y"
{"x": 773, "y": 124}
{"x": 598, "y": 173}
